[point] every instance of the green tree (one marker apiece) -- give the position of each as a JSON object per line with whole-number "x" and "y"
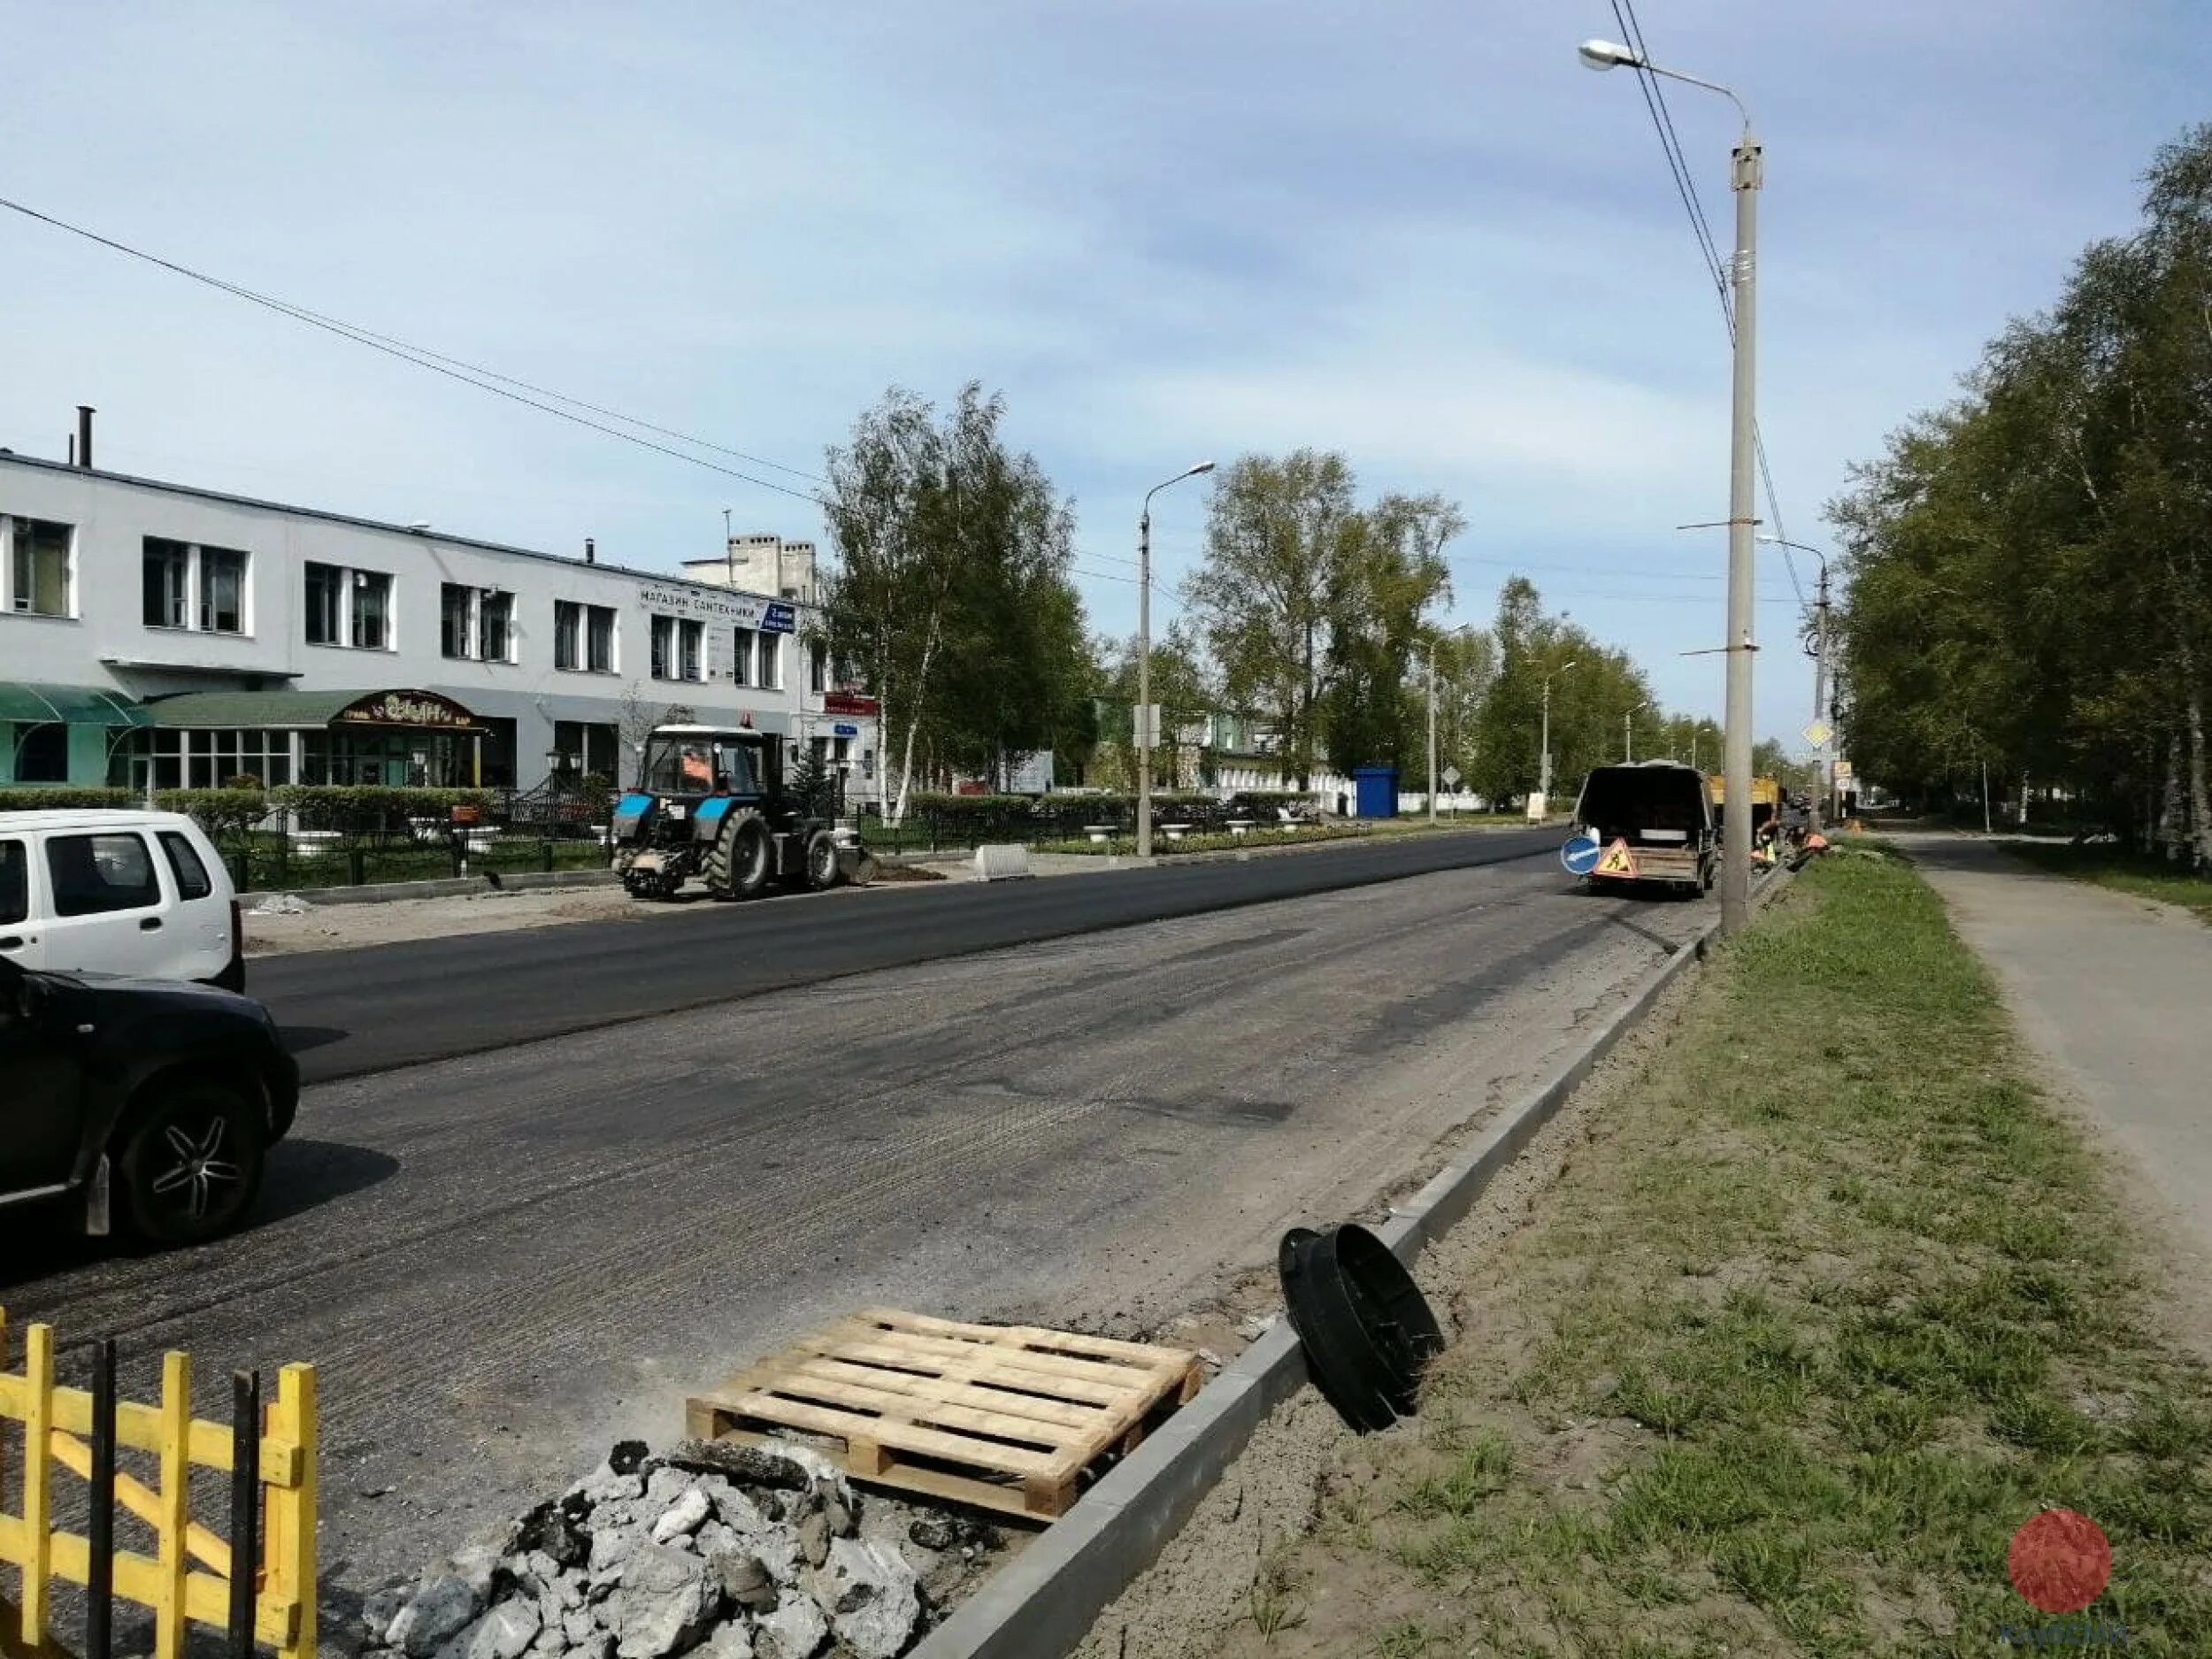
{"x": 1277, "y": 544}
{"x": 1592, "y": 689}
{"x": 1181, "y": 686}
{"x": 1372, "y": 708}
{"x": 2027, "y": 586}
{"x": 950, "y": 590}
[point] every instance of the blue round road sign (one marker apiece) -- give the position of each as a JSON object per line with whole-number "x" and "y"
{"x": 1580, "y": 854}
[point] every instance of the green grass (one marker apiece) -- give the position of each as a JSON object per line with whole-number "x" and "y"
{"x": 1830, "y": 1307}
{"x": 2142, "y": 875}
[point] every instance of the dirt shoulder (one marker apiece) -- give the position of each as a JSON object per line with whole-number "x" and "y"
{"x": 1826, "y": 1300}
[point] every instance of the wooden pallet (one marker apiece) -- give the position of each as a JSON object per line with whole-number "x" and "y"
{"x": 1006, "y": 1416}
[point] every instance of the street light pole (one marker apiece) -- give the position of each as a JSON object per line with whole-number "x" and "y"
{"x": 1820, "y": 678}
{"x": 1146, "y": 734}
{"x": 1543, "y": 787}
{"x": 1628, "y": 733}
{"x": 1432, "y": 731}
{"x": 1746, "y": 175}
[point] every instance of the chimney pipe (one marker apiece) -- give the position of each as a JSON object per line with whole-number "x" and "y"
{"x": 591, "y": 551}
{"x": 85, "y": 413}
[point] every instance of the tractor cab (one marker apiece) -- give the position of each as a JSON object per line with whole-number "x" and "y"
{"x": 690, "y": 763}
{"x": 711, "y": 802}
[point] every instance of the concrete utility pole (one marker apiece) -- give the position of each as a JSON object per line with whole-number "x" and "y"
{"x": 1628, "y": 733}
{"x": 1432, "y": 731}
{"x": 1745, "y": 176}
{"x": 1820, "y": 677}
{"x": 1543, "y": 787}
{"x": 1146, "y": 736}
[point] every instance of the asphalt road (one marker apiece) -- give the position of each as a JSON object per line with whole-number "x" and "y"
{"x": 348, "y": 1012}
{"x": 503, "y": 1260}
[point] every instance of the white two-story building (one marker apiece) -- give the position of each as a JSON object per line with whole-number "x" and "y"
{"x": 151, "y": 633}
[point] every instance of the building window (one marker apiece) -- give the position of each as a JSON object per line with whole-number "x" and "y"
{"x": 324, "y": 584}
{"x": 599, "y": 639}
{"x": 496, "y": 627}
{"x": 222, "y": 591}
{"x": 166, "y": 565}
{"x": 568, "y": 634}
{"x": 818, "y": 666}
{"x": 771, "y": 676}
{"x": 455, "y": 636}
{"x": 585, "y": 748}
{"x": 741, "y": 658}
{"x": 691, "y": 650}
{"x": 39, "y": 567}
{"x": 208, "y": 760}
{"x": 372, "y": 611}
{"x": 664, "y": 647}
{"x": 42, "y": 753}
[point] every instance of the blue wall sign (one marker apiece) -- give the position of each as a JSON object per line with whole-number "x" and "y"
{"x": 1580, "y": 854}
{"x": 841, "y": 730}
{"x": 778, "y": 617}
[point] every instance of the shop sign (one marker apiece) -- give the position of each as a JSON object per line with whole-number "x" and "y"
{"x": 406, "y": 707}
{"x": 744, "y": 610}
{"x": 849, "y": 702}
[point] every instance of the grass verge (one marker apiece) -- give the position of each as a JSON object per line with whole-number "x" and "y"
{"x": 1832, "y": 1304}
{"x": 2143, "y": 876}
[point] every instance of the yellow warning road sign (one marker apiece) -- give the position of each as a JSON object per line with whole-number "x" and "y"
{"x": 1618, "y": 861}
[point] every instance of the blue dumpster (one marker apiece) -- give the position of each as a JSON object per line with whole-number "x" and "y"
{"x": 1375, "y": 791}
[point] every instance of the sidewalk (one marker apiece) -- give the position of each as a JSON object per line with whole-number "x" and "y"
{"x": 2112, "y": 991}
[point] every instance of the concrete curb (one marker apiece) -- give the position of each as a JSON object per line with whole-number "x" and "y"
{"x": 447, "y": 887}
{"x": 1044, "y": 1601}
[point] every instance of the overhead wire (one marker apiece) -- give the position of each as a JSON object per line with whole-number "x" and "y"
{"x": 1709, "y": 247}
{"x": 452, "y": 368}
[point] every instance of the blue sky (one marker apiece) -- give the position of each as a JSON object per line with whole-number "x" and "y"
{"x": 1421, "y": 233}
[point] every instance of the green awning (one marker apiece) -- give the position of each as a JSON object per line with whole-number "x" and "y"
{"x": 30, "y": 704}
{"x": 313, "y": 710}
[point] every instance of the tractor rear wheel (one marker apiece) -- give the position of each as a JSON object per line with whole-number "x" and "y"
{"x": 742, "y": 861}
{"x": 821, "y": 860}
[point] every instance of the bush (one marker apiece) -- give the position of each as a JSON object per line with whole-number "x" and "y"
{"x": 368, "y": 810}
{"x": 224, "y": 814}
{"x": 40, "y": 797}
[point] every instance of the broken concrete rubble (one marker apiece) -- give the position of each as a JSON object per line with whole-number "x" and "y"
{"x": 714, "y": 1551}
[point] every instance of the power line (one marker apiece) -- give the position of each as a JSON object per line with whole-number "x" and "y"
{"x": 452, "y": 368}
{"x": 1709, "y": 246}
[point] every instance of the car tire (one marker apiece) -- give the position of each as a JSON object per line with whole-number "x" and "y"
{"x": 192, "y": 1162}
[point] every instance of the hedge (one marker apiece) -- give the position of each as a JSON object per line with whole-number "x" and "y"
{"x": 363, "y": 809}
{"x": 354, "y": 809}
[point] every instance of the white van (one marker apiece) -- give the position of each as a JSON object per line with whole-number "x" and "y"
{"x": 101, "y": 891}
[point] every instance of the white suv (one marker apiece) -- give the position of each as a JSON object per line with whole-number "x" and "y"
{"x": 99, "y": 891}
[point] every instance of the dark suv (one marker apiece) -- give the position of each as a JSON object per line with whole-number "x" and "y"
{"x": 151, "y": 1101}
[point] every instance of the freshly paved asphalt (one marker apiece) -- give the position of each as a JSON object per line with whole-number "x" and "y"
{"x": 348, "y": 1012}
{"x": 500, "y": 1260}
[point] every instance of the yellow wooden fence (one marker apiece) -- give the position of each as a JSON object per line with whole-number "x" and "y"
{"x": 187, "y": 1577}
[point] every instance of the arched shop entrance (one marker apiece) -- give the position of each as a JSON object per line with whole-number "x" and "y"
{"x": 390, "y": 738}
{"x": 65, "y": 734}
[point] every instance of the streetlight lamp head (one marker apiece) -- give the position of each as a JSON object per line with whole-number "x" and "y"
{"x": 1608, "y": 55}
{"x": 1204, "y": 466}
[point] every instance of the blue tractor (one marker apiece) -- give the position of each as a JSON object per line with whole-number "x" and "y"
{"x": 712, "y": 803}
